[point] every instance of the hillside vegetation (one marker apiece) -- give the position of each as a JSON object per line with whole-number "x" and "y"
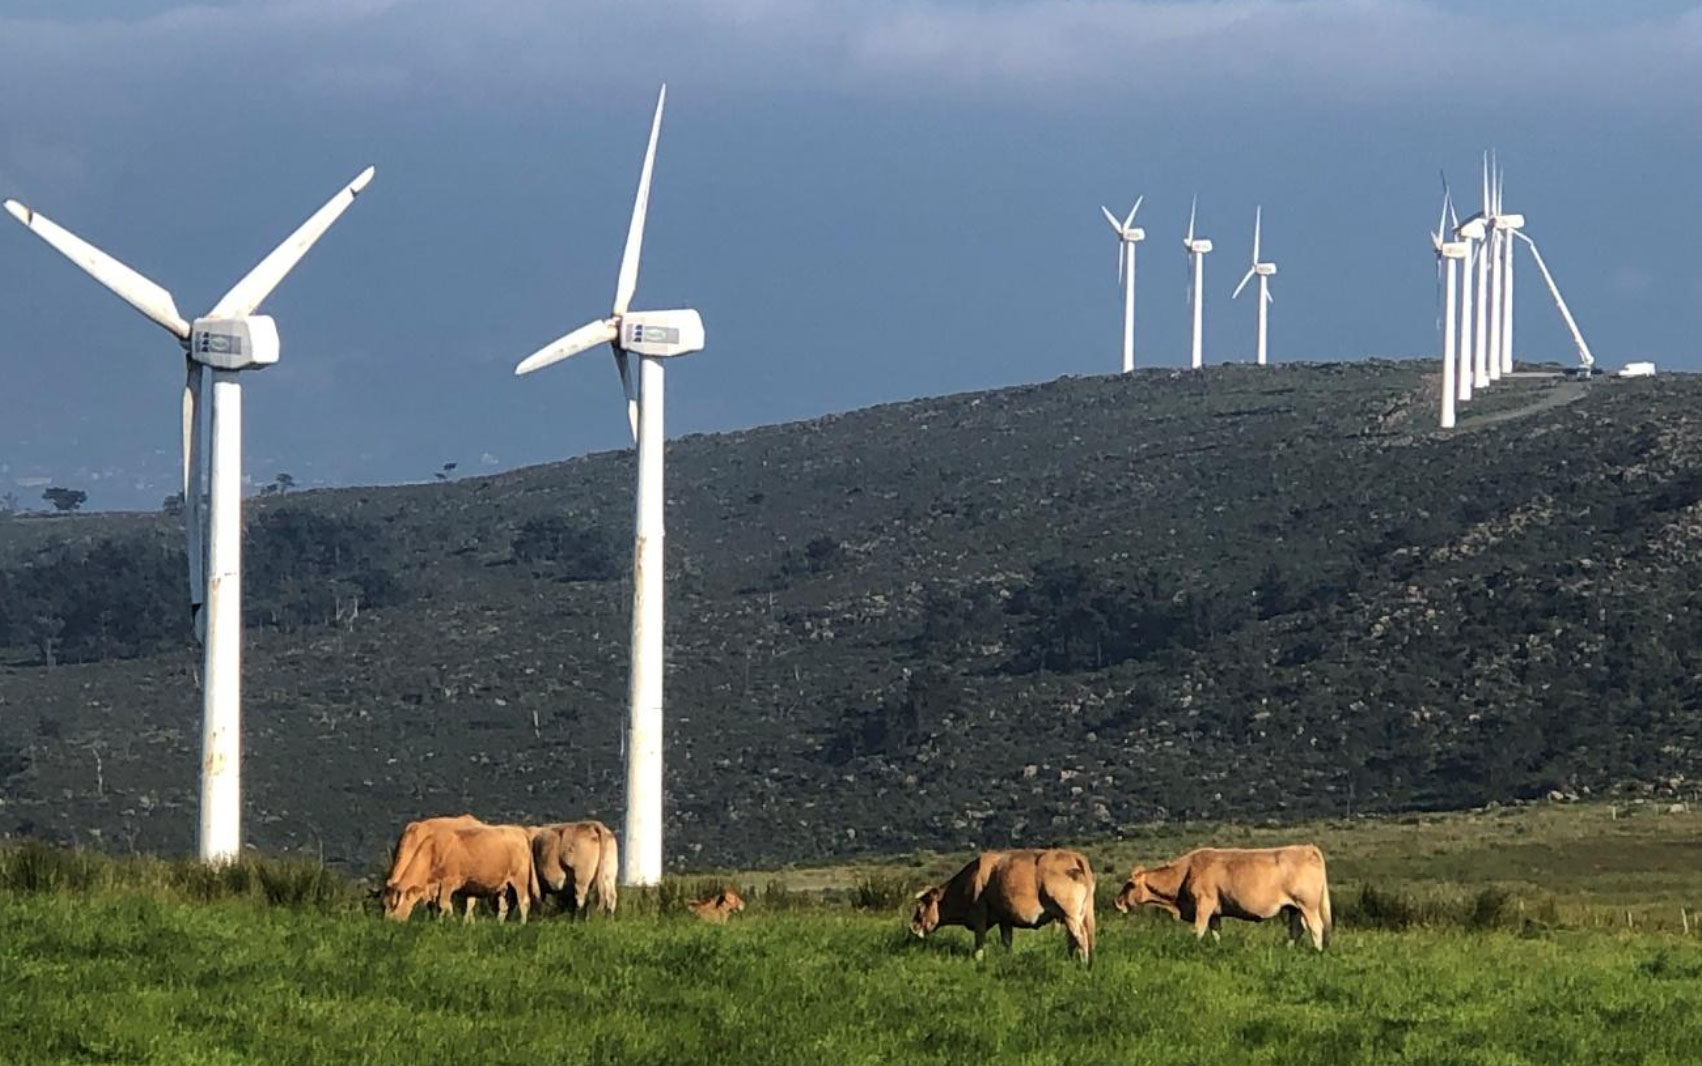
{"x": 1014, "y": 617}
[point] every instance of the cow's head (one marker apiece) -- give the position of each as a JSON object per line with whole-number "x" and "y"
{"x": 927, "y": 916}
{"x": 1135, "y": 891}
{"x": 399, "y": 902}
{"x": 728, "y": 901}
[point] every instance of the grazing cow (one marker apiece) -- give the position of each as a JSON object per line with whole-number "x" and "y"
{"x": 719, "y": 907}
{"x": 478, "y": 861}
{"x": 572, "y": 859}
{"x": 1209, "y": 884}
{"x": 1014, "y": 889}
{"x": 412, "y": 834}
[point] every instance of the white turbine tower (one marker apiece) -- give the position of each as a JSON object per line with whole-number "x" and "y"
{"x": 1480, "y": 339}
{"x": 1497, "y": 261}
{"x": 1264, "y": 272}
{"x": 1449, "y": 253}
{"x": 1128, "y": 235}
{"x": 225, "y": 341}
{"x": 1467, "y": 235}
{"x": 653, "y": 336}
{"x": 1509, "y": 224}
{"x": 1197, "y": 247}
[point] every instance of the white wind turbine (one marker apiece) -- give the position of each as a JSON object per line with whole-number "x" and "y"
{"x": 1197, "y": 247}
{"x": 1449, "y": 253}
{"x": 653, "y": 336}
{"x": 225, "y": 341}
{"x": 1264, "y": 272}
{"x": 1467, "y": 235}
{"x": 1497, "y": 260}
{"x": 1508, "y": 224}
{"x": 1128, "y": 235}
{"x": 1480, "y": 224}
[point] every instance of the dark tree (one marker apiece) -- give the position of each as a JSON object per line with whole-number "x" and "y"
{"x": 64, "y": 500}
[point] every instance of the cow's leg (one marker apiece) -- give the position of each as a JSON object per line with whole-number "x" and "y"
{"x": 1081, "y": 945}
{"x": 980, "y": 930}
{"x": 1205, "y": 916}
{"x": 523, "y": 900}
{"x": 472, "y": 901}
{"x": 1314, "y": 925}
{"x": 1005, "y": 935}
{"x": 502, "y": 904}
{"x": 1296, "y": 924}
{"x": 1216, "y": 927}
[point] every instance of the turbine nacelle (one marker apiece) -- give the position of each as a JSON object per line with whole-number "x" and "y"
{"x": 1265, "y": 270}
{"x": 1454, "y": 250}
{"x": 662, "y": 334}
{"x": 1505, "y": 222}
{"x": 1200, "y": 245}
{"x": 1473, "y": 229}
{"x": 247, "y": 342}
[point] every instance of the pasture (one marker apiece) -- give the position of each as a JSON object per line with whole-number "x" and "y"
{"x": 145, "y": 962}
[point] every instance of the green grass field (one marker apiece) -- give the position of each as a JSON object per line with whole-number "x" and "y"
{"x": 139, "y": 962}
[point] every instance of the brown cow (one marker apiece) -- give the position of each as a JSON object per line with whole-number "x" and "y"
{"x": 408, "y": 843}
{"x": 719, "y": 907}
{"x": 572, "y": 859}
{"x": 479, "y": 861}
{"x": 1014, "y": 889}
{"x": 1209, "y": 884}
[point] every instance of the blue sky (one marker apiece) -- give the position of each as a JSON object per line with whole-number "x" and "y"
{"x": 867, "y": 201}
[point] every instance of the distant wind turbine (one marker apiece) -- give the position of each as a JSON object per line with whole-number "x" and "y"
{"x": 1197, "y": 247}
{"x": 653, "y": 336}
{"x": 1264, "y": 271}
{"x": 1463, "y": 234}
{"x": 1128, "y": 235}
{"x": 1509, "y": 224}
{"x": 1448, "y": 253}
{"x": 225, "y": 341}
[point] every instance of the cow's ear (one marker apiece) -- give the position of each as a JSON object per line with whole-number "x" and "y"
{"x": 1136, "y": 872}
{"x": 924, "y": 893}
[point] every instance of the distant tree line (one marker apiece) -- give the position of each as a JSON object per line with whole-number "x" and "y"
{"x": 127, "y": 596}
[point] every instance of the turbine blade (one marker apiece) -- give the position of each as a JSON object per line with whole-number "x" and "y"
{"x": 1109, "y": 217}
{"x": 1269, "y": 298}
{"x": 131, "y": 287}
{"x": 622, "y": 365}
{"x": 1243, "y": 285}
{"x": 247, "y": 294}
{"x": 628, "y": 280}
{"x": 1192, "y": 208}
{"x": 602, "y": 331}
{"x": 194, "y": 546}
{"x": 1486, "y": 210}
{"x": 1120, "y": 257}
{"x": 1258, "y": 218}
{"x": 1130, "y": 221}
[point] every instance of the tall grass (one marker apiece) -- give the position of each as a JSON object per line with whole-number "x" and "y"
{"x": 128, "y": 977}
{"x": 33, "y": 867}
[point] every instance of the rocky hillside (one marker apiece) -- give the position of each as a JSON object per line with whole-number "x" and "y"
{"x": 1004, "y": 617}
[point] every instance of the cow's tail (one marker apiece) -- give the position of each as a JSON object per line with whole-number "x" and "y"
{"x": 608, "y": 870}
{"x": 1083, "y": 872}
{"x": 532, "y": 885}
{"x": 1324, "y": 899}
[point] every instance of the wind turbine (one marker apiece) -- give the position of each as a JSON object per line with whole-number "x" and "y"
{"x": 1264, "y": 272}
{"x": 1509, "y": 224}
{"x": 1128, "y": 235}
{"x": 221, "y": 344}
{"x": 1197, "y": 248}
{"x": 1480, "y": 341}
{"x": 1497, "y": 260}
{"x": 1449, "y": 253}
{"x": 1466, "y": 235}
{"x": 653, "y": 336}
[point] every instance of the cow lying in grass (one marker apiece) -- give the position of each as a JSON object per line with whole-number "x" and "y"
{"x": 719, "y": 907}
{"x": 1023, "y": 889}
{"x": 1209, "y": 884}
